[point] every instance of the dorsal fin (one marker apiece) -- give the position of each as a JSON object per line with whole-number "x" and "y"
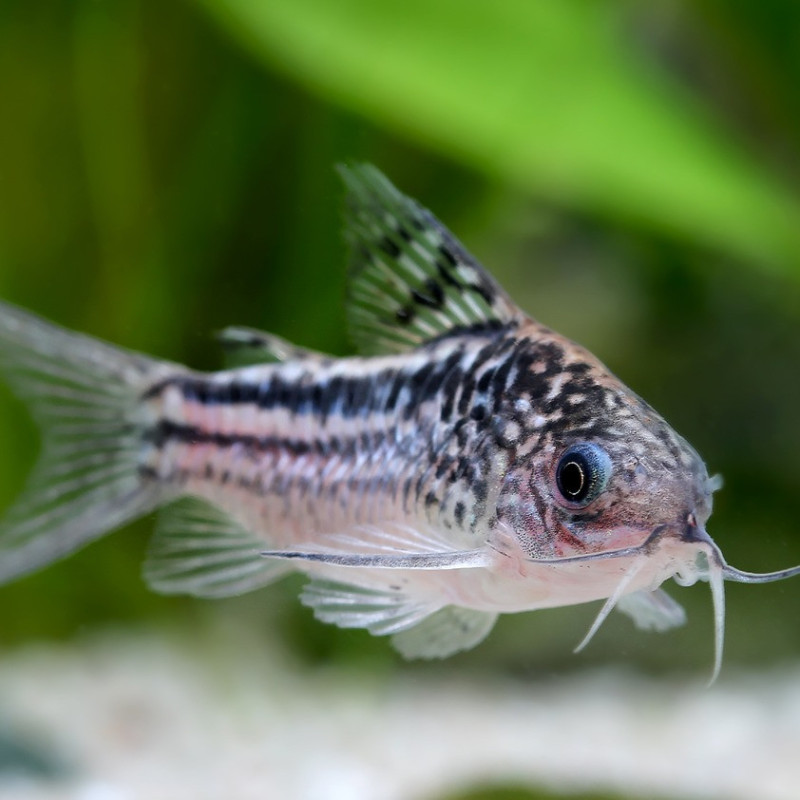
{"x": 411, "y": 279}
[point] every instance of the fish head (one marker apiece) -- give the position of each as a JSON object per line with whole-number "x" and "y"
{"x": 604, "y": 470}
{"x": 631, "y": 475}
{"x": 608, "y": 496}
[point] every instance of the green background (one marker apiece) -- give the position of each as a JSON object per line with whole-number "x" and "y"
{"x": 629, "y": 171}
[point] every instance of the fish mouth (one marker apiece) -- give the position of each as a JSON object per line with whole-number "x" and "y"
{"x": 709, "y": 564}
{"x": 695, "y": 534}
{"x": 717, "y": 571}
{"x": 689, "y": 532}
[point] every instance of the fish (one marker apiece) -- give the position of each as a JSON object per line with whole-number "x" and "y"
{"x": 469, "y": 462}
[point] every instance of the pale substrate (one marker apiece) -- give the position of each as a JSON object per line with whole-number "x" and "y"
{"x": 145, "y": 717}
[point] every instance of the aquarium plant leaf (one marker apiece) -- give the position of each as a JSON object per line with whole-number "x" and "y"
{"x": 554, "y": 98}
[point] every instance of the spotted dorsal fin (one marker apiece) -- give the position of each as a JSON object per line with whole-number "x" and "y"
{"x": 411, "y": 279}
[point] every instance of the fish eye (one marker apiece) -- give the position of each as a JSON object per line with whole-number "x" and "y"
{"x": 583, "y": 473}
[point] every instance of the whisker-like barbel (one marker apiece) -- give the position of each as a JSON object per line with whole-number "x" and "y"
{"x": 732, "y": 574}
{"x": 610, "y": 603}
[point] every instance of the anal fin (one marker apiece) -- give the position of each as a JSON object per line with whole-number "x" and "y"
{"x": 197, "y": 549}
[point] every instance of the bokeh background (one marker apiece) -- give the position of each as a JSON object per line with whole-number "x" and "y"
{"x": 628, "y": 170}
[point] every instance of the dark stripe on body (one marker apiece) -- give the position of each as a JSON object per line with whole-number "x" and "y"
{"x": 166, "y": 431}
{"x": 485, "y": 384}
{"x": 452, "y": 401}
{"x": 344, "y": 396}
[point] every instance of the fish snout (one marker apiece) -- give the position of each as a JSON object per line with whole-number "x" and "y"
{"x": 692, "y": 530}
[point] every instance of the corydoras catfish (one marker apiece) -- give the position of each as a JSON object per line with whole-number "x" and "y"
{"x": 471, "y": 462}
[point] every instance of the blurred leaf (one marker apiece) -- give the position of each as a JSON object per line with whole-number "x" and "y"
{"x": 548, "y": 96}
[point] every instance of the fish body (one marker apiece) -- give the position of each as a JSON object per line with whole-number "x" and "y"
{"x": 440, "y": 441}
{"x": 472, "y": 462}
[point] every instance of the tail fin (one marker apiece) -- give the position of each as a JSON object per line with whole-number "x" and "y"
{"x": 85, "y": 396}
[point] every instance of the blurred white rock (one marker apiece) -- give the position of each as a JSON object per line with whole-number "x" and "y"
{"x": 145, "y": 717}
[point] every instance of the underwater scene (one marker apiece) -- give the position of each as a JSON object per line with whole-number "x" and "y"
{"x": 433, "y": 369}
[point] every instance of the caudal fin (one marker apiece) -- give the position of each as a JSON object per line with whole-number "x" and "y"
{"x": 85, "y": 396}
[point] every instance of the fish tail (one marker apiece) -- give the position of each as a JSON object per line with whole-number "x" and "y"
{"x": 86, "y": 397}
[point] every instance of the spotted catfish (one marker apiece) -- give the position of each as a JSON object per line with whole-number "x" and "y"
{"x": 471, "y": 462}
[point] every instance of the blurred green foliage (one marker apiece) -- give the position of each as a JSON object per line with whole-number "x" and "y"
{"x": 522, "y": 793}
{"x": 628, "y": 170}
{"x": 544, "y": 96}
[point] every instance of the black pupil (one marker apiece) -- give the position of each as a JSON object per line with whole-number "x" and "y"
{"x": 572, "y": 479}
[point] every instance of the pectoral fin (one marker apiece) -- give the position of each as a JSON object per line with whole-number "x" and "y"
{"x": 389, "y": 545}
{"x": 454, "y": 559}
{"x": 652, "y": 611}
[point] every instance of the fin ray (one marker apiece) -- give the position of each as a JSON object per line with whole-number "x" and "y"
{"x": 652, "y": 610}
{"x": 197, "y": 549}
{"x": 246, "y": 346}
{"x": 381, "y": 612}
{"x": 389, "y": 545}
{"x": 411, "y": 279}
{"x": 445, "y": 632}
{"x": 81, "y": 487}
